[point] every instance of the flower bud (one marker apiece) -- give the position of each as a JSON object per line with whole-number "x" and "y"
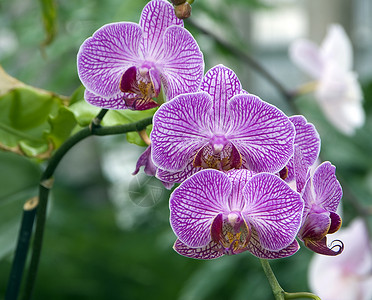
{"x": 183, "y": 11}
{"x": 178, "y": 2}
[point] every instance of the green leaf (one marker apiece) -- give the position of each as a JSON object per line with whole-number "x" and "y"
{"x": 49, "y": 12}
{"x": 61, "y": 126}
{"x": 33, "y": 122}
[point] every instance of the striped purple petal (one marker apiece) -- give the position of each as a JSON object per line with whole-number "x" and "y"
{"x": 261, "y": 133}
{"x": 222, "y": 84}
{"x": 323, "y": 188}
{"x": 103, "y": 58}
{"x": 156, "y": 17}
{"x": 195, "y": 204}
{"x": 180, "y": 129}
{"x": 182, "y": 63}
{"x": 308, "y": 141}
{"x": 273, "y": 209}
{"x": 210, "y": 251}
{"x": 238, "y": 178}
{"x": 256, "y": 248}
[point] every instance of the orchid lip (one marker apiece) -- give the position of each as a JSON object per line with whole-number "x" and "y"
{"x": 231, "y": 232}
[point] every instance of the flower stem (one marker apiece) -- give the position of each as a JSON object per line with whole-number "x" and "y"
{"x": 29, "y": 212}
{"x": 275, "y": 286}
{"x": 278, "y": 292}
{"x": 45, "y": 185}
{"x": 300, "y": 295}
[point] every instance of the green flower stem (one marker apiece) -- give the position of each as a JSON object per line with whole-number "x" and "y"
{"x": 300, "y": 295}
{"x": 46, "y": 185}
{"x": 278, "y": 292}
{"x": 29, "y": 212}
{"x": 275, "y": 286}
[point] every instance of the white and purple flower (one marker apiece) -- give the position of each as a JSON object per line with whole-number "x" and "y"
{"x": 124, "y": 65}
{"x": 337, "y": 89}
{"x": 217, "y": 213}
{"x": 220, "y": 127}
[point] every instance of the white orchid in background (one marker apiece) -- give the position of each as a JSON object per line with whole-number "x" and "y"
{"x": 337, "y": 88}
{"x": 349, "y": 275}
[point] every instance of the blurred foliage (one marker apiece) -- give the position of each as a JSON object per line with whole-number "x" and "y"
{"x": 49, "y": 12}
{"x": 93, "y": 257}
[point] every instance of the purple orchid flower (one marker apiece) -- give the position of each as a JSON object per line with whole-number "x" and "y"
{"x": 220, "y": 127}
{"x": 322, "y": 194}
{"x": 307, "y": 141}
{"x": 217, "y": 213}
{"x": 123, "y": 65}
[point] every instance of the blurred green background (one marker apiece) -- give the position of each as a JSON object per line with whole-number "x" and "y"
{"x": 102, "y": 241}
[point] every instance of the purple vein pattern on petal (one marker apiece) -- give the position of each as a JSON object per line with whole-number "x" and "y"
{"x": 328, "y": 191}
{"x": 256, "y": 248}
{"x": 182, "y": 64}
{"x": 210, "y": 251}
{"x": 178, "y": 176}
{"x": 300, "y": 170}
{"x": 273, "y": 209}
{"x": 261, "y": 132}
{"x": 103, "y": 58}
{"x": 195, "y": 203}
{"x": 308, "y": 141}
{"x": 114, "y": 102}
{"x": 222, "y": 84}
{"x": 239, "y": 178}
{"x": 180, "y": 129}
{"x": 156, "y": 17}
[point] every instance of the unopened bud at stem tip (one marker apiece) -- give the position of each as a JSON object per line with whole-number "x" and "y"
{"x": 183, "y": 11}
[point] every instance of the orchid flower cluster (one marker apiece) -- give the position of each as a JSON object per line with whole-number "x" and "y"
{"x": 241, "y": 165}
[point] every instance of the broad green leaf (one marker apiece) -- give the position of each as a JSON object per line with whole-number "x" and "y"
{"x": 33, "y": 122}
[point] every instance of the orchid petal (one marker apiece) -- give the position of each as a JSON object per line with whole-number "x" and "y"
{"x": 261, "y": 133}
{"x": 195, "y": 203}
{"x": 115, "y": 102}
{"x": 327, "y": 189}
{"x": 340, "y": 97}
{"x": 337, "y": 47}
{"x": 103, "y": 58}
{"x": 256, "y": 248}
{"x": 273, "y": 209}
{"x": 182, "y": 64}
{"x": 305, "y": 54}
{"x": 300, "y": 169}
{"x": 177, "y": 176}
{"x": 210, "y": 251}
{"x": 156, "y": 17}
{"x": 222, "y": 84}
{"x": 321, "y": 247}
{"x": 145, "y": 160}
{"x": 315, "y": 226}
{"x": 308, "y": 141}
{"x": 239, "y": 178}
{"x": 180, "y": 129}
